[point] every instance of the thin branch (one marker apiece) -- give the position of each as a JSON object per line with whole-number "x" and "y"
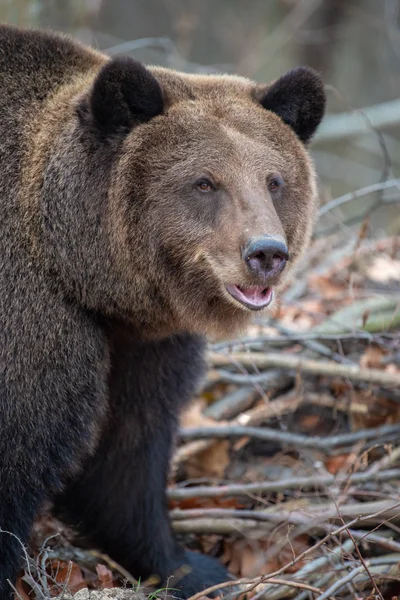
{"x": 315, "y": 346}
{"x": 350, "y": 124}
{"x": 289, "y": 583}
{"x": 288, "y": 27}
{"x": 290, "y": 439}
{"x": 238, "y": 401}
{"x": 326, "y": 511}
{"x": 340, "y": 583}
{"x": 173, "y": 57}
{"x": 365, "y": 566}
{"x": 209, "y": 523}
{"x": 313, "y": 567}
{"x": 291, "y": 361}
{"x": 369, "y": 189}
{"x": 269, "y": 379}
{"x": 283, "y": 485}
{"x": 295, "y": 337}
{"x": 333, "y": 533}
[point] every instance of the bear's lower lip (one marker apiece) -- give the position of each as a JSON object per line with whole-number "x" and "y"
{"x": 254, "y": 298}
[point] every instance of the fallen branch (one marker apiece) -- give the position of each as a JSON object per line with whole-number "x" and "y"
{"x": 261, "y": 379}
{"x": 291, "y": 402}
{"x": 290, "y": 361}
{"x": 253, "y": 583}
{"x": 365, "y": 565}
{"x": 341, "y": 583}
{"x": 332, "y": 534}
{"x": 217, "y": 521}
{"x": 369, "y": 189}
{"x": 259, "y": 414}
{"x": 314, "y": 566}
{"x": 362, "y": 121}
{"x": 233, "y": 403}
{"x": 291, "y": 439}
{"x": 243, "y": 527}
{"x": 295, "y": 337}
{"x": 283, "y": 485}
{"x": 325, "y": 512}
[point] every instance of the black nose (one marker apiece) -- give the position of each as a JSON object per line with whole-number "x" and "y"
{"x": 266, "y": 255}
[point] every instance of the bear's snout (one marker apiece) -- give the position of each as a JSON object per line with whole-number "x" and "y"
{"x": 265, "y": 256}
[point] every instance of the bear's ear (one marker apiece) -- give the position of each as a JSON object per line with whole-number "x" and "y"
{"x": 124, "y": 94}
{"x": 298, "y": 98}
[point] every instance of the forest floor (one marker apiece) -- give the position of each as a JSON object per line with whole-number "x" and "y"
{"x": 288, "y": 464}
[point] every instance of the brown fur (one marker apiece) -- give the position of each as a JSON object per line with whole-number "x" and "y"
{"x": 227, "y": 133}
{"x": 111, "y": 264}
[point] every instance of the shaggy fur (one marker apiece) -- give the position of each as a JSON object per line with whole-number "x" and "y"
{"x": 113, "y": 264}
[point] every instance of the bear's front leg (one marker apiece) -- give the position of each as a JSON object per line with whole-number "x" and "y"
{"x": 119, "y": 503}
{"x": 53, "y": 364}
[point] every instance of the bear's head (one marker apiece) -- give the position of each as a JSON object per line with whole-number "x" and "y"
{"x": 210, "y": 192}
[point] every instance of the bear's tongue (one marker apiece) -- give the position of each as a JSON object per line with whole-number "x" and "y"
{"x": 255, "y": 297}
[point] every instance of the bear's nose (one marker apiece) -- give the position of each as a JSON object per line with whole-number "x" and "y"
{"x": 265, "y": 256}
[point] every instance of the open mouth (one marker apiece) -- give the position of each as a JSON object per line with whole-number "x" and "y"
{"x": 254, "y": 298}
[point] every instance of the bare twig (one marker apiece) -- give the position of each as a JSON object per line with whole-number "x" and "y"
{"x": 290, "y": 439}
{"x": 288, "y": 27}
{"x": 315, "y": 346}
{"x": 88, "y": 558}
{"x": 310, "y": 568}
{"x": 369, "y": 189}
{"x": 173, "y": 57}
{"x": 289, "y": 361}
{"x": 259, "y": 379}
{"x": 340, "y": 583}
{"x": 295, "y": 337}
{"x": 211, "y": 524}
{"x": 333, "y": 533}
{"x": 234, "y": 403}
{"x": 319, "y": 512}
{"x": 253, "y": 583}
{"x": 274, "y": 409}
{"x": 350, "y": 124}
{"x": 385, "y": 462}
{"x": 365, "y": 566}
{"x": 283, "y": 485}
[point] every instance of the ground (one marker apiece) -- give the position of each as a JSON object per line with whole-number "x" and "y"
{"x": 288, "y": 467}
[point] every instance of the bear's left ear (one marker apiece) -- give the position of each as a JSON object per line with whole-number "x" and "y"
{"x": 124, "y": 94}
{"x": 298, "y": 98}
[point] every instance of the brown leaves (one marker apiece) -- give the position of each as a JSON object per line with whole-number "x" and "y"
{"x": 68, "y": 576}
{"x": 105, "y": 576}
{"x": 249, "y": 558}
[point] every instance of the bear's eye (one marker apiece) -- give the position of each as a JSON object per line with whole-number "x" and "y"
{"x": 275, "y": 183}
{"x": 204, "y": 185}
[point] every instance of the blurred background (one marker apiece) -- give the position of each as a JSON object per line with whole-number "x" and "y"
{"x": 342, "y": 309}
{"x": 355, "y": 44}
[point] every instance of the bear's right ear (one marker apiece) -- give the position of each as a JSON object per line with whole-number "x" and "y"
{"x": 124, "y": 94}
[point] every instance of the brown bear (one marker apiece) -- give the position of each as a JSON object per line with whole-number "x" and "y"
{"x": 141, "y": 209}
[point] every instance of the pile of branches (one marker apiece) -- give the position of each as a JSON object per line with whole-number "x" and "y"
{"x": 288, "y": 464}
{"x": 310, "y": 406}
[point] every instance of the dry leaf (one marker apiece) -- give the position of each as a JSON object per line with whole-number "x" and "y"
{"x": 22, "y": 590}
{"x": 335, "y": 464}
{"x": 105, "y": 576}
{"x": 251, "y": 558}
{"x": 194, "y": 417}
{"x": 372, "y": 358}
{"x": 69, "y": 575}
{"x": 211, "y": 462}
